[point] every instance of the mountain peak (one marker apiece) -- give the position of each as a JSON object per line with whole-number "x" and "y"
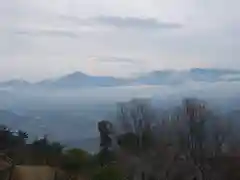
{"x": 76, "y": 74}
{"x": 79, "y": 79}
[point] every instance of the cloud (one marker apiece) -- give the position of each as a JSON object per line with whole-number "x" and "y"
{"x": 132, "y": 22}
{"x": 40, "y": 38}
{"x": 115, "y": 60}
{"x": 119, "y": 22}
{"x": 47, "y": 32}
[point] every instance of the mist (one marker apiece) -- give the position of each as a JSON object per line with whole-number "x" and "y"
{"x": 79, "y": 109}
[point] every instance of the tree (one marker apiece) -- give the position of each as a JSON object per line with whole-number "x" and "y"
{"x": 55, "y": 153}
{"x": 137, "y": 140}
{"x": 22, "y": 135}
{"x": 46, "y": 152}
{"x": 137, "y": 117}
{"x": 108, "y": 173}
{"x": 129, "y": 142}
{"x": 75, "y": 161}
{"x": 105, "y": 130}
{"x": 40, "y": 150}
{"x": 196, "y": 119}
{"x": 6, "y": 138}
{"x": 13, "y": 143}
{"x": 18, "y": 152}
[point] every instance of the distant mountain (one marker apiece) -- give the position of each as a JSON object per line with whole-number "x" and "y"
{"x": 196, "y": 74}
{"x": 160, "y": 77}
{"x": 211, "y": 75}
{"x": 168, "y": 77}
{"x": 14, "y": 83}
{"x": 165, "y": 77}
{"x": 79, "y": 79}
{"x": 13, "y": 120}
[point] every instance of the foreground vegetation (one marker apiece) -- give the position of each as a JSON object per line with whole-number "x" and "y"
{"x": 189, "y": 142}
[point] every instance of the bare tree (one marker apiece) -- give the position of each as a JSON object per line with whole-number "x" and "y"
{"x": 196, "y": 119}
{"x": 137, "y": 117}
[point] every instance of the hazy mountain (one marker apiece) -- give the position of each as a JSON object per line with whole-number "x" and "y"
{"x": 160, "y": 77}
{"x": 195, "y": 74}
{"x": 165, "y": 77}
{"x": 79, "y": 79}
{"x": 13, "y": 120}
{"x": 212, "y": 75}
{"x": 14, "y": 83}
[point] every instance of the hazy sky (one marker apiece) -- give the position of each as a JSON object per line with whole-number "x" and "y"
{"x": 48, "y": 38}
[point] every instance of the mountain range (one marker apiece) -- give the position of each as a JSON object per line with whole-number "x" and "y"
{"x": 165, "y": 77}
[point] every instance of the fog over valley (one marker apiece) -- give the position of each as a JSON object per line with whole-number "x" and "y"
{"x": 71, "y": 114}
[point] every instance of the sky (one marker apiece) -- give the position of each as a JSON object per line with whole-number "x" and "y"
{"x": 122, "y": 38}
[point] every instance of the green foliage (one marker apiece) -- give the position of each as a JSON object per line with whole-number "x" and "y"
{"x": 13, "y": 143}
{"x": 10, "y": 140}
{"x": 108, "y": 173}
{"x": 128, "y": 141}
{"x": 75, "y": 160}
{"x": 147, "y": 141}
{"x": 56, "y": 147}
{"x": 106, "y": 157}
{"x": 135, "y": 143}
{"x": 45, "y": 152}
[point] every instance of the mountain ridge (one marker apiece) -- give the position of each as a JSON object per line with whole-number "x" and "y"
{"x": 160, "y": 77}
